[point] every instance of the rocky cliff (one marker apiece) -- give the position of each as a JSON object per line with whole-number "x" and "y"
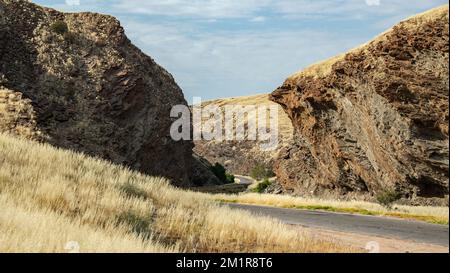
{"x": 75, "y": 80}
{"x": 373, "y": 120}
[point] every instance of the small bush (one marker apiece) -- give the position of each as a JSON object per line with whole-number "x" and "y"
{"x": 133, "y": 191}
{"x": 222, "y": 174}
{"x": 261, "y": 187}
{"x": 70, "y": 37}
{"x": 387, "y": 198}
{"x": 59, "y": 27}
{"x": 139, "y": 224}
{"x": 259, "y": 172}
{"x": 230, "y": 178}
{"x": 219, "y": 171}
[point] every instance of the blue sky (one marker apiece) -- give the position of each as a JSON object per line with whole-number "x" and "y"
{"x": 227, "y": 48}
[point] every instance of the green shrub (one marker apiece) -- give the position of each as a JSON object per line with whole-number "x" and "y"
{"x": 261, "y": 187}
{"x": 259, "y": 172}
{"x": 387, "y": 198}
{"x": 222, "y": 174}
{"x": 219, "y": 171}
{"x": 230, "y": 178}
{"x": 59, "y": 27}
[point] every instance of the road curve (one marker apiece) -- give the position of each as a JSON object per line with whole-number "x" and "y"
{"x": 245, "y": 180}
{"x": 367, "y": 225}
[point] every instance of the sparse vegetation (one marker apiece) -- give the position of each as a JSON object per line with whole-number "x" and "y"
{"x": 260, "y": 172}
{"x": 50, "y": 197}
{"x": 435, "y": 215}
{"x": 261, "y": 187}
{"x": 230, "y": 178}
{"x": 70, "y": 37}
{"x": 60, "y": 27}
{"x": 387, "y": 198}
{"x": 222, "y": 174}
{"x": 139, "y": 224}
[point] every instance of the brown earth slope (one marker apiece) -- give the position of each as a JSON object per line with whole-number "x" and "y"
{"x": 374, "y": 119}
{"x": 88, "y": 88}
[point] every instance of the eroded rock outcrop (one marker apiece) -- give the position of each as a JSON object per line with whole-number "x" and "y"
{"x": 77, "y": 82}
{"x": 240, "y": 157}
{"x": 374, "y": 119}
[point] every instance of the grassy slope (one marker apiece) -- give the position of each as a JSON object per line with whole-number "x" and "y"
{"x": 49, "y": 197}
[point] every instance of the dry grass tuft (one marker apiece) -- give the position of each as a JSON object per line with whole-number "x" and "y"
{"x": 49, "y": 197}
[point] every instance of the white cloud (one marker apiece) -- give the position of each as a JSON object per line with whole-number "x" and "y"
{"x": 251, "y": 9}
{"x": 348, "y": 9}
{"x": 258, "y": 19}
{"x": 73, "y": 2}
{"x": 373, "y": 2}
{"x": 225, "y": 63}
{"x": 248, "y": 9}
{"x": 213, "y": 58}
{"x": 194, "y": 8}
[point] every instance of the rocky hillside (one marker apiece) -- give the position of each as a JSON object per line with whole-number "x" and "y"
{"x": 240, "y": 157}
{"x": 374, "y": 120}
{"x": 75, "y": 80}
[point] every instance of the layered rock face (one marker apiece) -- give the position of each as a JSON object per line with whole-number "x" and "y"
{"x": 77, "y": 82}
{"x": 240, "y": 157}
{"x": 375, "y": 119}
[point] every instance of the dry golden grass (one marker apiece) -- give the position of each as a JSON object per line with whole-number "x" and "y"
{"x": 324, "y": 68}
{"x": 438, "y": 215}
{"x": 433, "y": 14}
{"x": 49, "y": 197}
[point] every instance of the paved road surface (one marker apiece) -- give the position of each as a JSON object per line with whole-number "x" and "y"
{"x": 367, "y": 225}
